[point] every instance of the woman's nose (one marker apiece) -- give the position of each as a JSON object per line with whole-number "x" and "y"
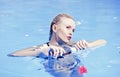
{"x": 71, "y": 33}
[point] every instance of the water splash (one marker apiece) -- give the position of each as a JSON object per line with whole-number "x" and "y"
{"x": 81, "y": 53}
{"x": 78, "y": 23}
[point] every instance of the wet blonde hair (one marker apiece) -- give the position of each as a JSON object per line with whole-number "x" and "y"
{"x": 56, "y": 20}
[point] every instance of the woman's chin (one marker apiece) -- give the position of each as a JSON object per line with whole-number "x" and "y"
{"x": 67, "y": 41}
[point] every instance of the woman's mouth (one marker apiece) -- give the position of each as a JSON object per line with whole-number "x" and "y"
{"x": 69, "y": 37}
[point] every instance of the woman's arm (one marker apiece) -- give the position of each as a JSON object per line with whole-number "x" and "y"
{"x": 82, "y": 44}
{"x": 37, "y": 50}
{"x": 32, "y": 51}
{"x": 97, "y": 43}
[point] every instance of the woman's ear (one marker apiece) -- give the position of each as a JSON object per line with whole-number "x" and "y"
{"x": 54, "y": 28}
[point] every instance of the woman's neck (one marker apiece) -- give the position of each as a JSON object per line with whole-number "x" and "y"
{"x": 56, "y": 42}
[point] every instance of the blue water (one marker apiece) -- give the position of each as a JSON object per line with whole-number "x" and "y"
{"x": 25, "y": 23}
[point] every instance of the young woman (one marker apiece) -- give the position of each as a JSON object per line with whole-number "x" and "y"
{"x": 61, "y": 61}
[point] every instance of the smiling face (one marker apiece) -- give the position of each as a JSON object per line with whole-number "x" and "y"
{"x": 64, "y": 29}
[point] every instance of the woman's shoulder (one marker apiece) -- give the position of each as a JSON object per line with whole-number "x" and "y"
{"x": 42, "y": 45}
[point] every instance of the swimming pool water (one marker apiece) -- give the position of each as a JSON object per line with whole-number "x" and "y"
{"x": 23, "y": 23}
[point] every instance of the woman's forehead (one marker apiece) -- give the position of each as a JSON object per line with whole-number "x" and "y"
{"x": 67, "y": 21}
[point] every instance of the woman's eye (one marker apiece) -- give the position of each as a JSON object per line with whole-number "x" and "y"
{"x": 68, "y": 27}
{"x": 73, "y": 30}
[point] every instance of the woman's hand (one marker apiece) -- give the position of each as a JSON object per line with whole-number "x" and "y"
{"x": 56, "y": 51}
{"x": 81, "y": 45}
